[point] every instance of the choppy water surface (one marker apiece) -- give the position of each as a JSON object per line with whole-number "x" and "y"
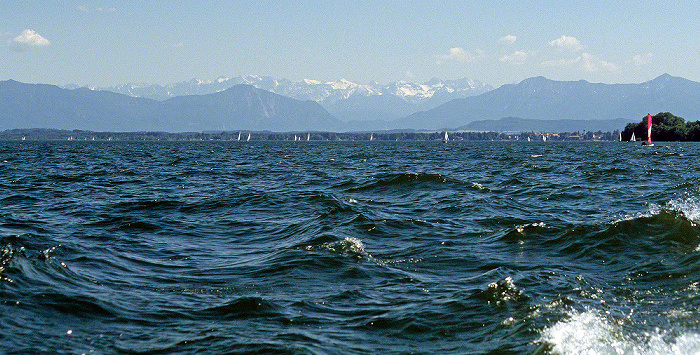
{"x": 349, "y": 248}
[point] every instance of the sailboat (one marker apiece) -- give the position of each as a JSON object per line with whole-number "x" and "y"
{"x": 446, "y": 138}
{"x": 308, "y": 137}
{"x": 248, "y": 137}
{"x": 633, "y": 138}
{"x": 648, "y": 143}
{"x": 371, "y": 136}
{"x": 239, "y": 136}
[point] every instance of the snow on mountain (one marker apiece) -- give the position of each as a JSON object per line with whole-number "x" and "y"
{"x": 431, "y": 93}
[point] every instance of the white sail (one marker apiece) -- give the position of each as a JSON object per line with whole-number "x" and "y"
{"x": 248, "y": 137}
{"x": 633, "y": 138}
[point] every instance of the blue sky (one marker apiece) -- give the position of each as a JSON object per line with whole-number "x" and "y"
{"x": 104, "y": 43}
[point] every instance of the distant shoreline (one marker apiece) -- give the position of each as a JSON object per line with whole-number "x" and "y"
{"x": 82, "y": 135}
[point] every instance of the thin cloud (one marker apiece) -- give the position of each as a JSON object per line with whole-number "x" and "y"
{"x": 457, "y": 54}
{"x": 567, "y": 43}
{"x": 517, "y": 58}
{"x": 642, "y": 60}
{"x": 28, "y": 40}
{"x": 592, "y": 64}
{"x": 586, "y": 62}
{"x": 509, "y": 39}
{"x": 87, "y": 9}
{"x": 560, "y": 62}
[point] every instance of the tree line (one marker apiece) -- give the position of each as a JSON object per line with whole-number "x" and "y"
{"x": 664, "y": 127}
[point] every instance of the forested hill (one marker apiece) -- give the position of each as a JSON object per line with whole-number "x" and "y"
{"x": 664, "y": 127}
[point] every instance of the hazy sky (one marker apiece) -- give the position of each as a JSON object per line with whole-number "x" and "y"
{"x": 104, "y": 43}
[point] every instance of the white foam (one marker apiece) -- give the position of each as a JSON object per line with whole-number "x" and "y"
{"x": 352, "y": 245}
{"x": 654, "y": 209}
{"x": 348, "y": 247}
{"x": 591, "y": 333}
{"x": 521, "y": 228}
{"x": 688, "y": 206}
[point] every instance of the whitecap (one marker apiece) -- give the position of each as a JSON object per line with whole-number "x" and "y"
{"x": 350, "y": 246}
{"x": 522, "y": 227}
{"x": 591, "y": 333}
{"x": 654, "y": 209}
{"x": 689, "y": 206}
{"x": 346, "y": 247}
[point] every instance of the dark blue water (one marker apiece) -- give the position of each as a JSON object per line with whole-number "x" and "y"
{"x": 349, "y": 248}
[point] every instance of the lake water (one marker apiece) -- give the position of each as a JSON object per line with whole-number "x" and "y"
{"x": 349, "y": 247}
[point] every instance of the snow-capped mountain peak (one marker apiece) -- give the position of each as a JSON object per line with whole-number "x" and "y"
{"x": 309, "y": 89}
{"x": 311, "y": 82}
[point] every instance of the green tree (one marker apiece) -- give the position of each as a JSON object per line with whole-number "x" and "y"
{"x": 665, "y": 127}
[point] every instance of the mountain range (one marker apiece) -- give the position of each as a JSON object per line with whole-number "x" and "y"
{"x": 241, "y": 107}
{"x": 345, "y": 106}
{"x": 343, "y": 99}
{"x": 305, "y": 89}
{"x": 543, "y": 99}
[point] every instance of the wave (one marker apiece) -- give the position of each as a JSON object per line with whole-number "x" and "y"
{"x": 6, "y": 254}
{"x": 500, "y": 292}
{"x": 76, "y": 305}
{"x": 688, "y": 206}
{"x": 402, "y": 181}
{"x": 653, "y": 234}
{"x": 19, "y": 198}
{"x": 634, "y": 284}
{"x": 349, "y": 247}
{"x": 243, "y": 307}
{"x": 147, "y": 205}
{"x": 592, "y": 332}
